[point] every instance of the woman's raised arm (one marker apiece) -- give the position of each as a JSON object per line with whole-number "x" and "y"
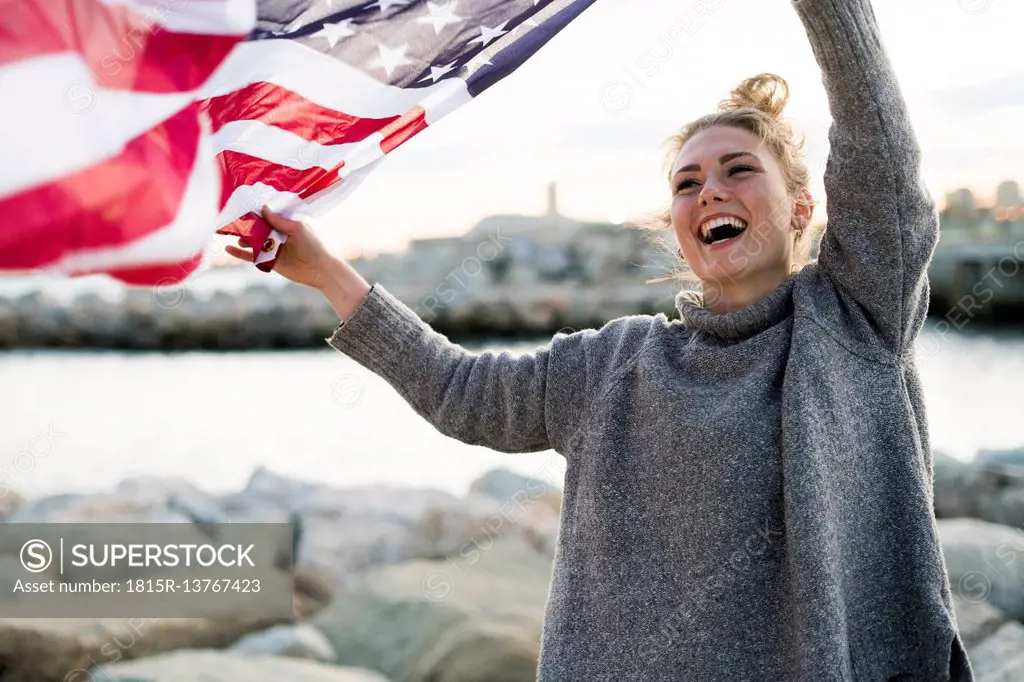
{"x": 882, "y": 222}
{"x": 508, "y": 403}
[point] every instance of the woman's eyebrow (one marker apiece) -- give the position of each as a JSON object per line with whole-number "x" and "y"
{"x": 726, "y": 158}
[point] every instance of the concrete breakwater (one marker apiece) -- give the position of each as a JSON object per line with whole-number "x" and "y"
{"x": 293, "y": 316}
{"x": 536, "y": 291}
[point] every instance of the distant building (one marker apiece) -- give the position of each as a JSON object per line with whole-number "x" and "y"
{"x": 960, "y": 206}
{"x": 517, "y": 249}
{"x": 550, "y": 228}
{"x": 1008, "y": 195}
{"x": 1009, "y": 205}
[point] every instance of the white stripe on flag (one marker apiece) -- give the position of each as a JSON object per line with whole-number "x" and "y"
{"x": 365, "y": 153}
{"x": 206, "y": 17}
{"x": 278, "y": 146}
{"x": 252, "y": 198}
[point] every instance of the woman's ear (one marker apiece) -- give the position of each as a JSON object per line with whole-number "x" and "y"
{"x": 803, "y": 209}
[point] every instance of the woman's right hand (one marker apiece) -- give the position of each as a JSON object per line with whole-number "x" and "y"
{"x": 304, "y": 259}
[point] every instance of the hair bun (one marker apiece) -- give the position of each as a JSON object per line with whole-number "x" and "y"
{"x": 765, "y": 92}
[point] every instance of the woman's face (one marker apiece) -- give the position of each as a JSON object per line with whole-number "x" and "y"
{"x": 728, "y": 171}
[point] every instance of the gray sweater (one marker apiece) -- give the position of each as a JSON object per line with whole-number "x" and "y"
{"x": 756, "y": 504}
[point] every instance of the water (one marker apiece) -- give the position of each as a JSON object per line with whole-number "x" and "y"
{"x": 83, "y": 420}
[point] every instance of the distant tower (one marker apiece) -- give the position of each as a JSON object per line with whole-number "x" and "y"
{"x": 552, "y": 201}
{"x": 1008, "y": 195}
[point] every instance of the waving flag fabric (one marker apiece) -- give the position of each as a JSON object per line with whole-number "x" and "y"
{"x": 105, "y": 164}
{"x": 140, "y": 127}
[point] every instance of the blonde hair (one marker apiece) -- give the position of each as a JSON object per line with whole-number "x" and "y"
{"x": 755, "y": 105}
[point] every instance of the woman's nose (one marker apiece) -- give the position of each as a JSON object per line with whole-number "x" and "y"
{"x": 712, "y": 193}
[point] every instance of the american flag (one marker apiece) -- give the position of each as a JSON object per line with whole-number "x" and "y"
{"x": 132, "y": 130}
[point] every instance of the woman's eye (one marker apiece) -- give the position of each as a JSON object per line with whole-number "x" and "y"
{"x": 737, "y": 169}
{"x": 685, "y": 184}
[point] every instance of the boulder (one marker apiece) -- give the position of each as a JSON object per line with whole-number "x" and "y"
{"x": 295, "y": 641}
{"x": 995, "y": 493}
{"x": 10, "y": 502}
{"x": 993, "y": 641}
{"x": 134, "y": 500}
{"x": 985, "y": 562}
{"x": 976, "y": 619}
{"x": 345, "y": 531}
{"x": 1000, "y": 658}
{"x": 41, "y": 509}
{"x": 51, "y": 649}
{"x": 950, "y": 496}
{"x": 222, "y": 666}
{"x": 474, "y": 617}
{"x": 987, "y": 490}
{"x": 503, "y": 485}
{"x": 1013, "y": 457}
{"x": 311, "y": 591}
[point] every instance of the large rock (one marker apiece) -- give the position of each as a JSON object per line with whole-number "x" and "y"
{"x": 976, "y": 620}
{"x": 988, "y": 490}
{"x": 1014, "y": 457}
{"x": 506, "y": 485}
{"x": 49, "y": 650}
{"x": 134, "y": 500}
{"x": 993, "y": 641}
{"x": 475, "y": 617}
{"x": 311, "y": 591}
{"x": 985, "y": 561}
{"x": 295, "y": 641}
{"x": 10, "y": 502}
{"x": 1000, "y": 658}
{"x": 345, "y": 531}
{"x": 220, "y": 666}
{"x": 950, "y": 496}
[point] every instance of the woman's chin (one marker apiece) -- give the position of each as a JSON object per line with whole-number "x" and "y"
{"x": 723, "y": 274}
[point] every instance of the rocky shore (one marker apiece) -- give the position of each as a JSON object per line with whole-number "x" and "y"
{"x": 418, "y": 585}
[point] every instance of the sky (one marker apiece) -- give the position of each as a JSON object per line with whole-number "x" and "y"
{"x": 593, "y": 108}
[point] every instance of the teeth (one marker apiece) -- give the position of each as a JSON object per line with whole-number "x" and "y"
{"x": 705, "y": 229}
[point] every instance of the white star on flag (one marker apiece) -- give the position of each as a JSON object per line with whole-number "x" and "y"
{"x": 438, "y": 71}
{"x": 336, "y": 31}
{"x": 385, "y": 4}
{"x": 478, "y": 60}
{"x": 528, "y": 22}
{"x": 440, "y": 16}
{"x": 488, "y": 34}
{"x": 391, "y": 57}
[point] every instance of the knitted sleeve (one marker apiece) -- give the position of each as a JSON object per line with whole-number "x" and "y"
{"x": 882, "y": 222}
{"x": 510, "y": 403}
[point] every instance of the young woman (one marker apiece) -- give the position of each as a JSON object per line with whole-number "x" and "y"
{"x": 748, "y": 487}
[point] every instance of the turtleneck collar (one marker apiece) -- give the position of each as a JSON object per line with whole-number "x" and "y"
{"x": 739, "y": 324}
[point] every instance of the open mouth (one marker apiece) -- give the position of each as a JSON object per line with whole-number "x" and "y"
{"x": 721, "y": 230}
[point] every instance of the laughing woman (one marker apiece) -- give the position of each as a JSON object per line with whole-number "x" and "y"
{"x": 748, "y": 486}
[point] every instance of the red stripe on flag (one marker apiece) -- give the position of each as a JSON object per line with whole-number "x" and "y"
{"x": 158, "y": 274}
{"x": 280, "y": 107}
{"x": 403, "y": 128}
{"x": 123, "y": 48}
{"x": 323, "y": 182}
{"x": 240, "y": 169}
{"x": 108, "y": 204}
